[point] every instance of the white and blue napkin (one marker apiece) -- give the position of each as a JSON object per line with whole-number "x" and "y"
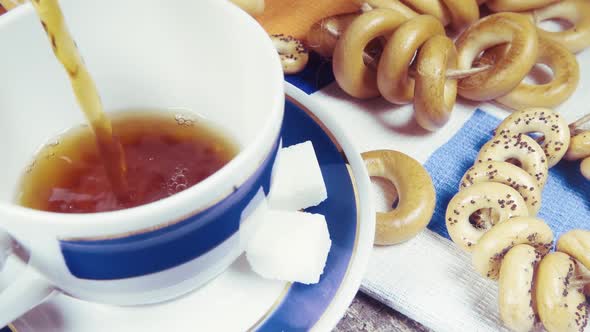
{"x": 428, "y": 278}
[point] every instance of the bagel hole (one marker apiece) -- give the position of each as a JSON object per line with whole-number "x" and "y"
{"x": 555, "y": 25}
{"x": 482, "y": 219}
{"x": 539, "y": 137}
{"x": 481, "y": 60}
{"x": 490, "y": 56}
{"x": 514, "y": 162}
{"x": 539, "y": 74}
{"x": 413, "y": 67}
{"x": 384, "y": 194}
{"x": 373, "y": 49}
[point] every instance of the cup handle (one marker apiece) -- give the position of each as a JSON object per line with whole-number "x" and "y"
{"x": 28, "y": 290}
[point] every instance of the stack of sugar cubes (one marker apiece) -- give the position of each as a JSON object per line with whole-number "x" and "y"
{"x": 289, "y": 244}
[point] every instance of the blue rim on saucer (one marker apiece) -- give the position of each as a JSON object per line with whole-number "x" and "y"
{"x": 303, "y": 305}
{"x": 299, "y": 307}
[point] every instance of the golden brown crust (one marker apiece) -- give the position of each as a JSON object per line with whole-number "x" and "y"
{"x": 566, "y": 75}
{"x": 393, "y": 80}
{"x": 579, "y": 146}
{"x": 417, "y": 197}
{"x": 577, "y": 12}
{"x": 509, "y": 70}
{"x": 350, "y": 71}
{"x": 517, "y": 6}
{"x": 434, "y": 94}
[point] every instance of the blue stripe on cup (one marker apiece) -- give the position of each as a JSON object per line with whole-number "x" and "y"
{"x": 170, "y": 246}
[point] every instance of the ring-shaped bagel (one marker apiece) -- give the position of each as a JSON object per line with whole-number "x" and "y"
{"x": 393, "y": 5}
{"x": 508, "y": 174}
{"x": 509, "y": 70}
{"x": 434, "y": 8}
{"x": 531, "y": 120}
{"x": 579, "y": 146}
{"x": 415, "y": 191}
{"x": 576, "y": 243}
{"x": 393, "y": 80}
{"x": 520, "y": 147}
{"x": 323, "y": 35}
{"x": 293, "y": 55}
{"x": 493, "y": 245}
{"x": 504, "y": 200}
{"x": 463, "y": 12}
{"x": 350, "y": 71}
{"x": 577, "y": 12}
{"x": 517, "y": 6}
{"x": 514, "y": 287}
{"x": 585, "y": 167}
{"x": 566, "y": 75}
{"x": 561, "y": 307}
{"x": 434, "y": 94}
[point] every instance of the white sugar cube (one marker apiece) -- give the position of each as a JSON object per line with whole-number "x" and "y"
{"x": 297, "y": 181}
{"x": 290, "y": 246}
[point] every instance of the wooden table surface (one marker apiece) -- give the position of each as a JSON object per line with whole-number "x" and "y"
{"x": 367, "y": 314}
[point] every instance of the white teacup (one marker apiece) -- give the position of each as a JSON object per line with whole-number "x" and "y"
{"x": 204, "y": 56}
